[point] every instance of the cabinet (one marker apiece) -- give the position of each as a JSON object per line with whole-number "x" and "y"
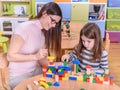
{"x": 81, "y": 11}
{"x": 15, "y": 7}
{"x": 113, "y": 20}
{"x": 13, "y": 12}
{"x": 8, "y": 24}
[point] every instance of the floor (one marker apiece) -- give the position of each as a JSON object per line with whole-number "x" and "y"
{"x": 114, "y": 61}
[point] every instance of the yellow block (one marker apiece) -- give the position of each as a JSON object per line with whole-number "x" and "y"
{"x": 51, "y": 58}
{"x": 101, "y": 78}
{"x": 63, "y": 78}
{"x": 45, "y": 85}
{"x": 49, "y": 71}
{"x": 80, "y": 79}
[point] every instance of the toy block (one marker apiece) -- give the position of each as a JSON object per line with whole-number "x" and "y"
{"x": 65, "y": 63}
{"x": 49, "y": 83}
{"x": 49, "y": 71}
{"x": 44, "y": 74}
{"x": 88, "y": 69}
{"x": 29, "y": 87}
{"x": 36, "y": 82}
{"x": 82, "y": 89}
{"x": 56, "y": 78}
{"x": 91, "y": 79}
{"x": 49, "y": 75}
{"x": 51, "y": 63}
{"x": 60, "y": 78}
{"x": 51, "y": 66}
{"x": 51, "y": 58}
{"x": 45, "y": 85}
{"x": 106, "y": 72}
{"x": 80, "y": 79}
{"x": 66, "y": 75}
{"x": 84, "y": 77}
{"x": 106, "y": 78}
{"x": 72, "y": 78}
{"x": 42, "y": 79}
{"x": 56, "y": 84}
{"x": 88, "y": 79}
{"x": 106, "y": 82}
{"x": 94, "y": 80}
{"x": 67, "y": 68}
{"x": 76, "y": 62}
{"x": 63, "y": 78}
{"x": 111, "y": 79}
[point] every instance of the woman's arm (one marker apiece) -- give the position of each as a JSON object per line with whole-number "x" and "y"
{"x": 16, "y": 44}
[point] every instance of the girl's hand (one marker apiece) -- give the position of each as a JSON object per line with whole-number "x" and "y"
{"x": 65, "y": 57}
{"x": 42, "y": 54}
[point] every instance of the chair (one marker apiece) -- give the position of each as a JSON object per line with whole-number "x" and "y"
{"x": 4, "y": 42}
{"x": 4, "y": 73}
{"x": 107, "y": 42}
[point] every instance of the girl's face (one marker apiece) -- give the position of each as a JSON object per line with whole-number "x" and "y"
{"x": 51, "y": 21}
{"x": 88, "y": 43}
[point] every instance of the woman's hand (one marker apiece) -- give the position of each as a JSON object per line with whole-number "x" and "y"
{"x": 65, "y": 57}
{"x": 41, "y": 54}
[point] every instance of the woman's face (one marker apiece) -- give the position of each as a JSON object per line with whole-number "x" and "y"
{"x": 88, "y": 43}
{"x": 51, "y": 21}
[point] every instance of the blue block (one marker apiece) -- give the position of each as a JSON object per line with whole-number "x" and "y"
{"x": 72, "y": 78}
{"x": 56, "y": 84}
{"x": 49, "y": 75}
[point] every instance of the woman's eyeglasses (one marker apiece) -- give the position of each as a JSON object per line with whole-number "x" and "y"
{"x": 53, "y": 21}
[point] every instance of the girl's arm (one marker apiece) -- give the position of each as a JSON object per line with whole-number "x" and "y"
{"x": 104, "y": 60}
{"x": 69, "y": 57}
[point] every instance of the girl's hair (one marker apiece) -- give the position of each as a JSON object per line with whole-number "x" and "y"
{"x": 52, "y": 36}
{"x": 91, "y": 31}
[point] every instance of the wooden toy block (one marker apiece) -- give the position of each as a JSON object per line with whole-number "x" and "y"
{"x": 45, "y": 85}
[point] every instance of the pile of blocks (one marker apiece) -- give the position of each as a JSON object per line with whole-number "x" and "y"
{"x": 66, "y": 72}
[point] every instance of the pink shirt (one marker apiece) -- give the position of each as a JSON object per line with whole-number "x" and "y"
{"x": 34, "y": 39}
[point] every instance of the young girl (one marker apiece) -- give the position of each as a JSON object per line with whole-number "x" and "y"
{"x": 89, "y": 49}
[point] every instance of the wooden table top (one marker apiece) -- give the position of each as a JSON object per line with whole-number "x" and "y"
{"x": 65, "y": 85}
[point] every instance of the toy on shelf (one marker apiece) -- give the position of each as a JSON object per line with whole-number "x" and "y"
{"x": 64, "y": 72}
{"x": 66, "y": 28}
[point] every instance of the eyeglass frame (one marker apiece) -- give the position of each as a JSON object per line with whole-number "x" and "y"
{"x": 53, "y": 21}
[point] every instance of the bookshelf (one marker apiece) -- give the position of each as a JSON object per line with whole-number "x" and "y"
{"x": 80, "y": 11}
{"x": 113, "y": 20}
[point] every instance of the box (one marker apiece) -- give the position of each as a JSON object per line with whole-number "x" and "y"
{"x": 113, "y": 13}
{"x": 113, "y": 3}
{"x": 113, "y": 24}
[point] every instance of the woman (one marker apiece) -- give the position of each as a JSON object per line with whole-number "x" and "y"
{"x": 33, "y": 41}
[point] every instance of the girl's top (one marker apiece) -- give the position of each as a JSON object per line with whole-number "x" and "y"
{"x": 34, "y": 39}
{"x": 86, "y": 56}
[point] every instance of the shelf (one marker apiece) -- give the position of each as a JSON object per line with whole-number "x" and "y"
{"x": 15, "y": 1}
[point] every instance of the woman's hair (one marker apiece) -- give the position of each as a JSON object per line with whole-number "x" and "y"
{"x": 52, "y": 36}
{"x": 91, "y": 31}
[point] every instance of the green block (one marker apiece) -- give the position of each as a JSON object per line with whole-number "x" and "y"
{"x": 94, "y": 80}
{"x": 49, "y": 83}
{"x": 82, "y": 89}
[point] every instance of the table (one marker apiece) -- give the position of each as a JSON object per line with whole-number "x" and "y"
{"x": 66, "y": 85}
